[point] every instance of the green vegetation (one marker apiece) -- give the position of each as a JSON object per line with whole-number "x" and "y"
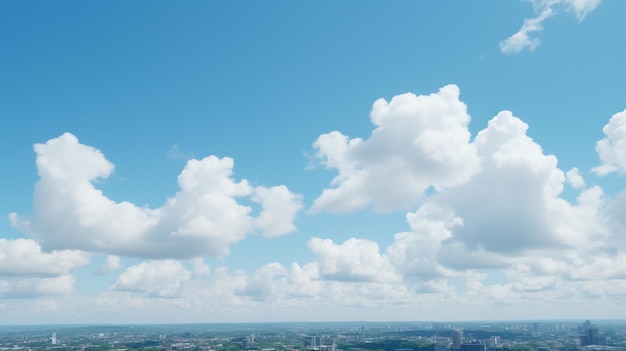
{"x": 391, "y": 344}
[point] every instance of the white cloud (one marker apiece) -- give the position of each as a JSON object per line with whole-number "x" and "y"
{"x": 612, "y": 148}
{"x": 419, "y": 142}
{"x": 600, "y": 268}
{"x": 502, "y": 237}
{"x": 616, "y": 221}
{"x": 522, "y": 39}
{"x": 111, "y": 264}
{"x": 509, "y": 218}
{"x": 504, "y": 208}
{"x": 270, "y": 293}
{"x": 506, "y": 212}
{"x": 30, "y": 273}
{"x": 574, "y": 178}
{"x": 164, "y": 278}
{"x": 415, "y": 253}
{"x": 35, "y": 287}
{"x": 526, "y": 36}
{"x": 24, "y": 257}
{"x": 511, "y": 212}
{"x": 303, "y": 282}
{"x": 353, "y": 260}
{"x": 199, "y": 268}
{"x": 279, "y": 210}
{"x": 506, "y": 216}
{"x": 203, "y": 218}
{"x": 581, "y": 8}
{"x": 261, "y": 284}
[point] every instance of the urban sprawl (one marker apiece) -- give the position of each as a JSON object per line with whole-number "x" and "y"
{"x": 345, "y": 336}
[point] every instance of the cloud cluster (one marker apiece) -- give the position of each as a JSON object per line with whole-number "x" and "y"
{"x": 163, "y": 278}
{"x": 25, "y": 270}
{"x": 36, "y": 287}
{"x": 24, "y": 257}
{"x": 354, "y": 260}
{"x": 201, "y": 219}
{"x": 275, "y": 292}
{"x": 419, "y": 142}
{"x": 526, "y": 36}
{"x": 505, "y": 215}
{"x": 487, "y": 225}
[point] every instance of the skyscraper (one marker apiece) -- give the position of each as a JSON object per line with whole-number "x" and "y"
{"x": 591, "y": 335}
{"x": 312, "y": 342}
{"x": 457, "y": 339}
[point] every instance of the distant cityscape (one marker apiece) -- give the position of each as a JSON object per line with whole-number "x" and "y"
{"x": 344, "y": 336}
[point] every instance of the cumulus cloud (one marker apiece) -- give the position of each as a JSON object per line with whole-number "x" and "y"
{"x": 616, "y": 221}
{"x": 511, "y": 211}
{"x": 111, "y": 264}
{"x": 353, "y": 260}
{"x": 612, "y": 148}
{"x": 24, "y": 257}
{"x": 232, "y": 296}
{"x": 27, "y": 272}
{"x": 499, "y": 235}
{"x": 419, "y": 142}
{"x": 526, "y": 37}
{"x": 272, "y": 292}
{"x": 601, "y": 268}
{"x": 574, "y": 178}
{"x": 303, "y": 281}
{"x": 261, "y": 284}
{"x": 279, "y": 209}
{"x": 502, "y": 237}
{"x": 163, "y": 278}
{"x": 224, "y": 296}
{"x": 508, "y": 209}
{"x": 508, "y": 221}
{"x": 203, "y": 218}
{"x": 199, "y": 268}
{"x": 415, "y": 253}
{"x": 504, "y": 207}
{"x": 36, "y": 287}
{"x": 508, "y": 212}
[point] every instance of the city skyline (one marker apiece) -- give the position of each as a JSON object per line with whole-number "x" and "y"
{"x": 389, "y": 336}
{"x": 321, "y": 161}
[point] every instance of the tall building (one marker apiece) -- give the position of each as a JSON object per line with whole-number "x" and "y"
{"x": 312, "y": 342}
{"x": 493, "y": 342}
{"x": 591, "y": 335}
{"x": 457, "y": 339}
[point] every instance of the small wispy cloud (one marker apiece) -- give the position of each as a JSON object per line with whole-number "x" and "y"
{"x": 111, "y": 264}
{"x": 526, "y": 37}
{"x": 176, "y": 153}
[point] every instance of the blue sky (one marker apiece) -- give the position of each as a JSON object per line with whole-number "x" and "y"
{"x": 248, "y": 161}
